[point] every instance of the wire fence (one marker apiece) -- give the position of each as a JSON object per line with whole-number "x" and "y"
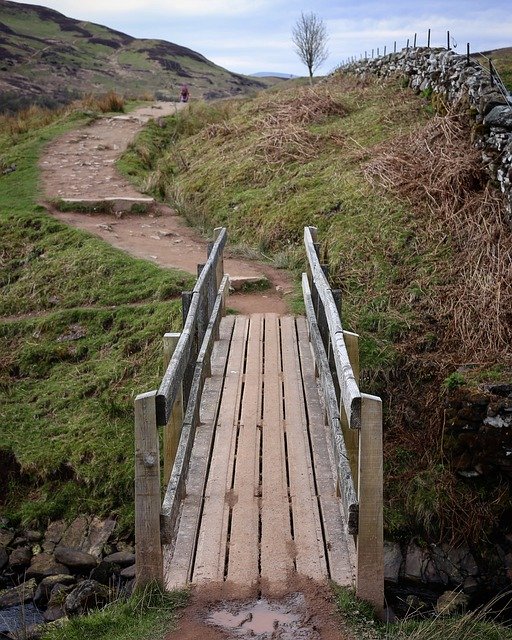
{"x": 485, "y": 62}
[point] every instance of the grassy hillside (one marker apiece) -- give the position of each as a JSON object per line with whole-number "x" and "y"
{"x": 49, "y": 59}
{"x": 80, "y": 326}
{"x": 416, "y": 239}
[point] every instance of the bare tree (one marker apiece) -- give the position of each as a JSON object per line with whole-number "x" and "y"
{"x": 309, "y": 35}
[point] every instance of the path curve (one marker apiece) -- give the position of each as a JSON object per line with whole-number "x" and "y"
{"x": 81, "y": 165}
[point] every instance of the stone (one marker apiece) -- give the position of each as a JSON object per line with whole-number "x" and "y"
{"x": 500, "y": 116}
{"x": 72, "y": 558}
{"x": 451, "y": 602}
{"x": 4, "y": 558}
{"x": 31, "y": 632}
{"x": 471, "y": 585}
{"x": 415, "y": 561}
{"x": 53, "y": 535}
{"x": 393, "y": 560}
{"x": 87, "y": 595}
{"x": 33, "y": 536}
{"x": 59, "y": 594}
{"x": 20, "y": 558}
{"x": 76, "y": 533}
{"x": 99, "y": 534}
{"x": 6, "y": 537}
{"x": 54, "y": 613}
{"x": 103, "y": 573}
{"x": 128, "y": 573}
{"x": 18, "y": 595}
{"x": 44, "y": 565}
{"x": 44, "y": 589}
{"x": 121, "y": 558}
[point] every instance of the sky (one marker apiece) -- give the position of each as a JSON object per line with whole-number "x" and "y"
{"x": 247, "y": 36}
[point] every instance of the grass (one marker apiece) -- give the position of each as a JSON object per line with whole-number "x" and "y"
{"x": 408, "y": 236}
{"x": 147, "y": 614}
{"x": 81, "y": 326}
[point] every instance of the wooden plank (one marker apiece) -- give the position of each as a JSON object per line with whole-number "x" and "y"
{"x": 277, "y": 550}
{"x": 212, "y": 540}
{"x": 308, "y": 537}
{"x": 178, "y": 558}
{"x": 370, "y": 543}
{"x": 340, "y": 547}
{"x": 243, "y": 567}
{"x": 148, "y": 557}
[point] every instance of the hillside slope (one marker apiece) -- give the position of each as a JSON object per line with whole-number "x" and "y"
{"x": 50, "y": 59}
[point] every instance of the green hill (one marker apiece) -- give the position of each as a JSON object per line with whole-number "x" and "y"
{"x": 50, "y": 59}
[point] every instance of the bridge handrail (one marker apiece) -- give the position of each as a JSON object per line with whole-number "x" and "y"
{"x": 355, "y": 420}
{"x": 320, "y": 285}
{"x": 201, "y": 302}
{"x": 175, "y": 406}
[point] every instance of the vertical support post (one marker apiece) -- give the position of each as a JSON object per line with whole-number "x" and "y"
{"x": 370, "y": 542}
{"x": 219, "y": 271}
{"x": 467, "y": 53}
{"x": 186, "y": 301}
{"x": 407, "y": 47}
{"x": 448, "y": 40}
{"x": 415, "y": 36}
{"x": 385, "y": 47}
{"x": 394, "y": 47}
{"x": 378, "y": 52}
{"x": 373, "y": 50}
{"x": 428, "y": 39}
{"x": 172, "y": 430}
{"x": 148, "y": 549}
{"x": 491, "y": 71}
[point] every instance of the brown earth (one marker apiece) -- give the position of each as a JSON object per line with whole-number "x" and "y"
{"x": 306, "y": 611}
{"x": 81, "y": 165}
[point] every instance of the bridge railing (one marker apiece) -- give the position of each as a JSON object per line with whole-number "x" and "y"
{"x": 175, "y": 407}
{"x": 355, "y": 420}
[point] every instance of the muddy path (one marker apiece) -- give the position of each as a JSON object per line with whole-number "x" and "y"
{"x": 81, "y": 165}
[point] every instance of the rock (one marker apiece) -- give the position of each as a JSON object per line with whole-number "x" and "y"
{"x": 33, "y": 536}
{"x": 452, "y": 602}
{"x": 31, "y": 632}
{"x": 471, "y": 585}
{"x": 415, "y": 603}
{"x": 59, "y": 594}
{"x": 128, "y": 573}
{"x": 53, "y": 535}
{"x": 121, "y": 558}
{"x": 75, "y": 559}
{"x": 20, "y": 558}
{"x": 87, "y": 595}
{"x": 103, "y": 573}
{"x": 44, "y": 565}
{"x": 76, "y": 533}
{"x": 54, "y": 613}
{"x": 4, "y": 558}
{"x": 6, "y": 537}
{"x": 18, "y": 595}
{"x": 415, "y": 561}
{"x": 99, "y": 534}
{"x": 44, "y": 589}
{"x": 392, "y": 561}
{"x": 500, "y": 117}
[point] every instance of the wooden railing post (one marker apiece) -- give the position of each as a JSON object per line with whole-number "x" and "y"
{"x": 172, "y": 430}
{"x": 148, "y": 549}
{"x": 370, "y": 542}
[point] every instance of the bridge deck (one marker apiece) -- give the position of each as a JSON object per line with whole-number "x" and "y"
{"x": 261, "y": 499}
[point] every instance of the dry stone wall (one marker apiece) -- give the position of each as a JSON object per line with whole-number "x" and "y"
{"x": 462, "y": 83}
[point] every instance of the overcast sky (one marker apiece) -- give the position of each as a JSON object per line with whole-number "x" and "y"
{"x": 255, "y": 35}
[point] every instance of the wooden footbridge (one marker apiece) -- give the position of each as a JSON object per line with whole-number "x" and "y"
{"x": 272, "y": 457}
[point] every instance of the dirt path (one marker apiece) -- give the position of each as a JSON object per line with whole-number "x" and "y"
{"x": 81, "y": 165}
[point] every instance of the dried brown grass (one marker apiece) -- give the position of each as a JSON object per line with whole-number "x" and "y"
{"x": 438, "y": 171}
{"x": 283, "y": 119}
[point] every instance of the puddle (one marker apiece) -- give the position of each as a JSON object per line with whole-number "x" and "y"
{"x": 264, "y": 619}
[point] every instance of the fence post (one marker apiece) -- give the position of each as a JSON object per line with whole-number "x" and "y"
{"x": 370, "y": 542}
{"x": 428, "y": 39}
{"x": 414, "y": 45}
{"x": 172, "y": 430}
{"x": 448, "y": 40}
{"x": 148, "y": 549}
